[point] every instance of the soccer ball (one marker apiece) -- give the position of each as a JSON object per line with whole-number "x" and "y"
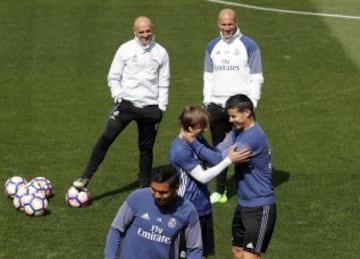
{"x": 77, "y": 197}
{"x": 21, "y": 197}
{"x": 36, "y": 204}
{"x": 13, "y": 184}
{"x": 34, "y": 187}
{"x": 45, "y": 184}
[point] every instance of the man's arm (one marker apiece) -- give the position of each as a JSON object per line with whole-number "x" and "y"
{"x": 211, "y": 156}
{"x": 205, "y": 176}
{"x": 194, "y": 249}
{"x": 227, "y": 142}
{"x": 118, "y": 228}
{"x": 113, "y": 241}
{"x": 115, "y": 76}
{"x": 164, "y": 81}
{"x": 256, "y": 76}
{"x": 208, "y": 78}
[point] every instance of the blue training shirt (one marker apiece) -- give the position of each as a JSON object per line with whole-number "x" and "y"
{"x": 149, "y": 231}
{"x": 184, "y": 159}
{"x": 253, "y": 178}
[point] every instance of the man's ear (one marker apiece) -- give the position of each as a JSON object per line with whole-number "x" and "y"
{"x": 247, "y": 113}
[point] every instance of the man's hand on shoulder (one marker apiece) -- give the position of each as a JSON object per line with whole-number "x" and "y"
{"x": 241, "y": 156}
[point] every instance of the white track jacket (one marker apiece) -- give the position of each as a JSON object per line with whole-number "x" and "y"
{"x": 232, "y": 67}
{"x": 140, "y": 74}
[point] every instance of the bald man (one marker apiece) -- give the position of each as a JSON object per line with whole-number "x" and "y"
{"x": 232, "y": 66}
{"x": 138, "y": 81}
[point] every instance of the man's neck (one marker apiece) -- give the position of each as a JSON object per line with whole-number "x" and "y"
{"x": 249, "y": 124}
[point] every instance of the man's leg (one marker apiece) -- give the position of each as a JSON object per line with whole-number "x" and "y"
{"x": 148, "y": 123}
{"x": 219, "y": 126}
{"x": 207, "y": 234}
{"x": 252, "y": 229}
{"x": 239, "y": 253}
{"x": 116, "y": 123}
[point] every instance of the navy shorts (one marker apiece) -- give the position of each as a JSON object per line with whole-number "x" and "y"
{"x": 252, "y": 228}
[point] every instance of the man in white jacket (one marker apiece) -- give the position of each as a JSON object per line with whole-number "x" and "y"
{"x": 232, "y": 66}
{"x": 138, "y": 81}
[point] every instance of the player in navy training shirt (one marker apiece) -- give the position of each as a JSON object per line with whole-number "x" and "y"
{"x": 196, "y": 171}
{"x": 148, "y": 223}
{"x": 255, "y": 216}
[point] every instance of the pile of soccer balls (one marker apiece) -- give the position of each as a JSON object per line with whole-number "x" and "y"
{"x": 32, "y": 197}
{"x": 29, "y": 197}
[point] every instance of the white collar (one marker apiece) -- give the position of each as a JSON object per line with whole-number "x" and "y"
{"x": 236, "y": 35}
{"x": 147, "y": 46}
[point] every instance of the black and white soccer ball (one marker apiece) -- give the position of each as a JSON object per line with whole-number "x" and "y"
{"x": 77, "y": 197}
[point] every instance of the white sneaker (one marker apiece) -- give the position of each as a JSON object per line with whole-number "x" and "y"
{"x": 81, "y": 183}
{"x": 216, "y": 197}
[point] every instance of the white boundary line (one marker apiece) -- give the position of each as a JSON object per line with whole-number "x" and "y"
{"x": 341, "y": 16}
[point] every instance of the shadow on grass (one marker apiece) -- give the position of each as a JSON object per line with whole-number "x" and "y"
{"x": 279, "y": 177}
{"x": 129, "y": 187}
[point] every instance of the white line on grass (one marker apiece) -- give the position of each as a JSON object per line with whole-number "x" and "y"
{"x": 285, "y": 11}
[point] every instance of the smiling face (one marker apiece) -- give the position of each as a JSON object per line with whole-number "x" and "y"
{"x": 143, "y": 30}
{"x": 240, "y": 120}
{"x": 227, "y": 23}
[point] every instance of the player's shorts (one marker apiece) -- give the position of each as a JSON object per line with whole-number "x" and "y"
{"x": 252, "y": 227}
{"x": 207, "y": 232}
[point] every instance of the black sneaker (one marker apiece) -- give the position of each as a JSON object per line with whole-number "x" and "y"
{"x": 81, "y": 183}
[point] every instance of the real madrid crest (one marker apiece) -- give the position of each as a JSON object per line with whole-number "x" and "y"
{"x": 172, "y": 223}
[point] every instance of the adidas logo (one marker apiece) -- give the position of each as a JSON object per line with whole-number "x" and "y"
{"x": 145, "y": 216}
{"x": 114, "y": 114}
{"x": 250, "y": 245}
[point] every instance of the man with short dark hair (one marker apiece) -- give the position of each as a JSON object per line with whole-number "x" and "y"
{"x": 255, "y": 216}
{"x": 148, "y": 223}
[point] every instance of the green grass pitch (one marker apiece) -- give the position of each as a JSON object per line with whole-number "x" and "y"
{"x": 54, "y": 59}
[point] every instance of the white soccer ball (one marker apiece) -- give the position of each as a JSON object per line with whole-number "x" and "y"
{"x": 36, "y": 204}
{"x": 45, "y": 184}
{"x": 34, "y": 187}
{"x": 13, "y": 184}
{"x": 77, "y": 197}
{"x": 21, "y": 197}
